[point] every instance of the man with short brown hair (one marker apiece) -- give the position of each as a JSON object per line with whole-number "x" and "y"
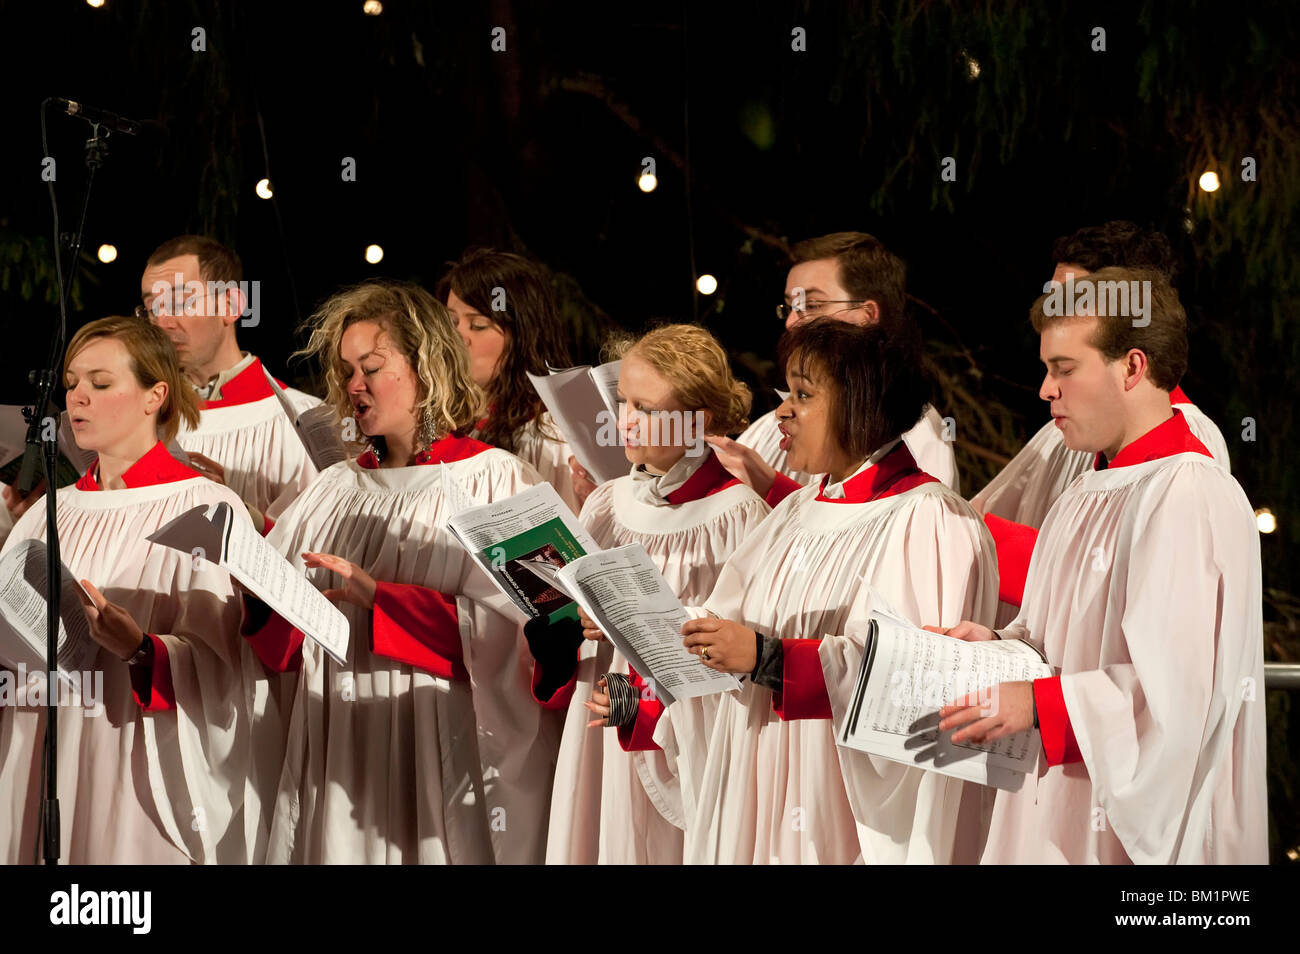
{"x": 193, "y": 289}
{"x": 1144, "y": 593}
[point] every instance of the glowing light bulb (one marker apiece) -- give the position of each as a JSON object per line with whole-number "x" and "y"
{"x": 706, "y": 284}
{"x": 107, "y": 253}
{"x": 648, "y": 182}
{"x": 263, "y": 189}
{"x": 1209, "y": 181}
{"x": 374, "y": 254}
{"x": 1265, "y": 520}
{"x": 372, "y": 8}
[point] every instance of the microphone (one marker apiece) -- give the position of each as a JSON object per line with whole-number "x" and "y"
{"x": 100, "y": 117}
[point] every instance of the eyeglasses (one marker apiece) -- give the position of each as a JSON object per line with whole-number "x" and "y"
{"x": 815, "y": 309}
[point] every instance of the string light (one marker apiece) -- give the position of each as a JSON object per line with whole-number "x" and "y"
{"x": 1265, "y": 520}
{"x": 706, "y": 284}
{"x": 263, "y": 189}
{"x": 648, "y": 182}
{"x": 107, "y": 253}
{"x": 372, "y": 8}
{"x": 374, "y": 254}
{"x": 1209, "y": 181}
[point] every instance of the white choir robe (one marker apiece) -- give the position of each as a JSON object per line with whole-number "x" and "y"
{"x": 1024, "y": 490}
{"x": 248, "y": 433}
{"x": 388, "y": 762}
{"x": 1144, "y": 590}
{"x": 183, "y": 772}
{"x": 932, "y": 453}
{"x": 548, "y": 452}
{"x": 611, "y": 806}
{"x": 782, "y": 791}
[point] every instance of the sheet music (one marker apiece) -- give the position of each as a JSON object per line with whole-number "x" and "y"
{"x": 214, "y": 533}
{"x": 316, "y": 427}
{"x": 504, "y": 537}
{"x": 319, "y": 430}
{"x": 624, "y": 592}
{"x": 23, "y": 623}
{"x": 909, "y": 674}
{"x": 582, "y": 411}
{"x": 606, "y": 378}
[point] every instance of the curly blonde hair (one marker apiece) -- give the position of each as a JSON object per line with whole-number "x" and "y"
{"x": 692, "y": 361}
{"x": 153, "y": 359}
{"x": 420, "y": 328}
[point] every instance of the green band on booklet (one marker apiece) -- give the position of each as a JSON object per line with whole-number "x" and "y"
{"x": 545, "y": 548}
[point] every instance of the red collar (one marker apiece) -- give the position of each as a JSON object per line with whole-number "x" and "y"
{"x": 709, "y": 478}
{"x": 450, "y": 448}
{"x": 155, "y": 467}
{"x": 1164, "y": 440}
{"x": 246, "y": 387}
{"x": 894, "y": 474}
{"x": 1176, "y": 396}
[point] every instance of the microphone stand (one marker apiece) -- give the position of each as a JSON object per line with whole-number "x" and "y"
{"x": 43, "y": 447}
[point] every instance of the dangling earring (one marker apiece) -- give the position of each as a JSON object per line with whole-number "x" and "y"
{"x": 427, "y": 430}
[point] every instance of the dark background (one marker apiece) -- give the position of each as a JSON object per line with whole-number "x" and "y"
{"x": 756, "y": 145}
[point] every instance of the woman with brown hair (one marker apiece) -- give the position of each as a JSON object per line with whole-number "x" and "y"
{"x": 788, "y": 610}
{"x": 423, "y": 746}
{"x": 617, "y": 798}
{"x": 160, "y": 768}
{"x": 506, "y": 313}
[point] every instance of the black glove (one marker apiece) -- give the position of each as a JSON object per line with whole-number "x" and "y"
{"x": 555, "y": 647}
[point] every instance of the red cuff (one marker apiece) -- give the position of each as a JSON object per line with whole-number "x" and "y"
{"x": 267, "y": 524}
{"x": 803, "y": 684}
{"x": 420, "y": 627}
{"x": 1054, "y": 726}
{"x": 639, "y": 736}
{"x": 152, "y": 686}
{"x": 561, "y": 697}
{"x": 277, "y": 644}
{"x": 1015, "y": 543}
{"x": 781, "y": 488}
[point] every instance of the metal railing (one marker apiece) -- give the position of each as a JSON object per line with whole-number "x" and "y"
{"x": 1282, "y": 676}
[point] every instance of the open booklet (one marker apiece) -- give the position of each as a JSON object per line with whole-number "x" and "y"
{"x": 583, "y": 403}
{"x": 908, "y": 674}
{"x": 213, "y": 533}
{"x": 23, "y": 625}
{"x": 626, "y": 595}
{"x": 513, "y": 540}
{"x": 316, "y": 427}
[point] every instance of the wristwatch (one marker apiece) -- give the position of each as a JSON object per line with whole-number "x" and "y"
{"x": 143, "y": 654}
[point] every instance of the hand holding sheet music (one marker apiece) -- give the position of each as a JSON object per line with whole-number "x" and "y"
{"x": 908, "y": 674}
{"x": 214, "y": 533}
{"x": 624, "y": 592}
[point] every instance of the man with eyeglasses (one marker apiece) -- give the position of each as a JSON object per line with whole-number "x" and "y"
{"x": 193, "y": 289}
{"x": 844, "y": 276}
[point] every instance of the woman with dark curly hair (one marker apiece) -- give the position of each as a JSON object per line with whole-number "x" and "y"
{"x": 504, "y": 308}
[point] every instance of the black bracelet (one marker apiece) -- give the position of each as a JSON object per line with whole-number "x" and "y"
{"x": 624, "y": 700}
{"x": 758, "y": 654}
